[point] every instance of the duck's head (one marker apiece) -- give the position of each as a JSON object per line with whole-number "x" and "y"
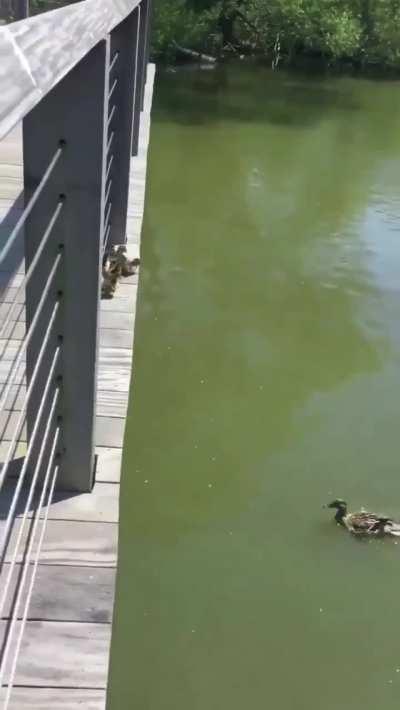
{"x": 338, "y": 503}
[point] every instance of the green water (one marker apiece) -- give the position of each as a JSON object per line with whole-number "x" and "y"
{"x": 267, "y": 374}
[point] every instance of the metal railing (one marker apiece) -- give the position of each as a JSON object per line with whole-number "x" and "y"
{"x": 75, "y": 77}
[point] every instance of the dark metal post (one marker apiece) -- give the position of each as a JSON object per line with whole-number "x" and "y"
{"x": 146, "y": 48}
{"x": 140, "y": 74}
{"x": 74, "y": 112}
{"x": 122, "y": 84}
{"x": 21, "y": 10}
{"x": 148, "y": 33}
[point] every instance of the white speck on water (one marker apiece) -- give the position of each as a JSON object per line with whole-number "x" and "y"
{"x": 321, "y": 610}
{"x": 230, "y": 532}
{"x": 193, "y": 631}
{"x": 390, "y": 681}
{"x": 202, "y": 382}
{"x": 213, "y": 458}
{"x": 210, "y": 485}
{"x": 146, "y": 480}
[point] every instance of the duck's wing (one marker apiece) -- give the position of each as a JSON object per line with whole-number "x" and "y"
{"x": 362, "y": 522}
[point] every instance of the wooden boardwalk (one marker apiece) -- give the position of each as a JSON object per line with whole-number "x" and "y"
{"x": 64, "y": 657}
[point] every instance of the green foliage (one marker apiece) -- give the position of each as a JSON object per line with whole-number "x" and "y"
{"x": 184, "y": 23}
{"x": 360, "y": 30}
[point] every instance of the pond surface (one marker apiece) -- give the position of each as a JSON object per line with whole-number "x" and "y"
{"x": 267, "y": 379}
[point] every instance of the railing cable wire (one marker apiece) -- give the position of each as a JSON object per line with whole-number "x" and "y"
{"x": 36, "y": 560}
{"x": 28, "y": 503}
{"x": 7, "y": 528}
{"x": 110, "y": 140}
{"x": 30, "y": 332}
{"x": 110, "y": 93}
{"x": 111, "y": 115}
{"x": 106, "y": 238}
{"x": 22, "y": 417}
{"x": 113, "y": 61}
{"x": 108, "y": 192}
{"x": 109, "y": 165}
{"x": 32, "y": 266}
{"x": 28, "y": 209}
{"x": 107, "y": 217}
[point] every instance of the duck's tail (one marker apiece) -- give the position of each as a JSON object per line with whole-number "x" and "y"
{"x": 392, "y": 528}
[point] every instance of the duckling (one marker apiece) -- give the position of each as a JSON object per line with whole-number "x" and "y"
{"x": 363, "y": 523}
{"x": 118, "y": 262}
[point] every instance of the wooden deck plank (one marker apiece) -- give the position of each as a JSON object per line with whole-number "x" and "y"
{"x": 114, "y": 337}
{"x": 55, "y": 699}
{"x": 14, "y": 330}
{"x": 8, "y": 279}
{"x": 109, "y": 431}
{"x": 111, "y": 403}
{"x": 108, "y": 465}
{"x": 5, "y": 368}
{"x": 82, "y": 595}
{"x": 123, "y": 301}
{"x": 70, "y": 543}
{"x": 8, "y": 422}
{"x": 114, "y": 320}
{"x": 101, "y": 505}
{"x": 112, "y": 378}
{"x": 62, "y": 654}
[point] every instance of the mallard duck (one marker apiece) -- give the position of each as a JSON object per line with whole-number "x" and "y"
{"x": 363, "y": 523}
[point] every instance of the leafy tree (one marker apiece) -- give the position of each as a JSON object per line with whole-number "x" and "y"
{"x": 360, "y": 30}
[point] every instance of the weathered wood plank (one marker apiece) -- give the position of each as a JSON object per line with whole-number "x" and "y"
{"x": 5, "y": 369}
{"x": 19, "y": 453}
{"x": 112, "y": 378}
{"x": 15, "y": 398}
{"x": 83, "y": 594}
{"x": 108, "y": 465}
{"x": 55, "y": 699}
{"x": 117, "y": 321}
{"x": 101, "y": 505}
{"x": 72, "y": 543}
{"x": 111, "y": 403}
{"x": 115, "y": 356}
{"x": 15, "y": 330}
{"x": 109, "y": 431}
{"x": 9, "y": 350}
{"x": 10, "y": 280}
{"x": 62, "y": 654}
{"x": 8, "y": 422}
{"x": 123, "y": 301}
{"x": 114, "y": 337}
{"x": 13, "y": 295}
